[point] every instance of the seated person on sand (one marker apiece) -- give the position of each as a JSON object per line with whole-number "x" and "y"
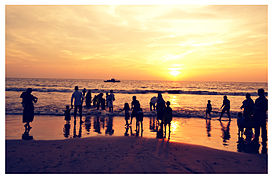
{"x": 226, "y": 108}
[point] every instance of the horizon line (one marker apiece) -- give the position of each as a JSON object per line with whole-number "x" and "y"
{"x": 135, "y": 80}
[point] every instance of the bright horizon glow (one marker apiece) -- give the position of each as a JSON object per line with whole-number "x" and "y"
{"x": 138, "y": 42}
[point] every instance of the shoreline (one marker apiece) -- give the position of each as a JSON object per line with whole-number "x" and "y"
{"x": 125, "y": 155}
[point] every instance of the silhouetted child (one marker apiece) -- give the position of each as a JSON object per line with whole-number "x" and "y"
{"x": 126, "y": 108}
{"x": 67, "y": 115}
{"x": 168, "y": 117}
{"x": 240, "y": 124}
{"x": 208, "y": 110}
{"x": 102, "y": 104}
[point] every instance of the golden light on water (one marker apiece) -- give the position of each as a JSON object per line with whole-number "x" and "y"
{"x": 174, "y": 126}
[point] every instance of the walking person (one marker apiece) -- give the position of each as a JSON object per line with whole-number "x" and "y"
{"x": 78, "y": 99}
{"x": 261, "y": 107}
{"x": 226, "y": 108}
{"x": 28, "y": 113}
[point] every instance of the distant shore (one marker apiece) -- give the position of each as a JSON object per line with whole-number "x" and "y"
{"x": 125, "y": 155}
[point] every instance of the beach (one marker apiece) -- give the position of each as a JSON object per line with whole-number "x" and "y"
{"x": 125, "y": 155}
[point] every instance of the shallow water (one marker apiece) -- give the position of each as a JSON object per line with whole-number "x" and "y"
{"x": 197, "y": 131}
{"x": 188, "y": 98}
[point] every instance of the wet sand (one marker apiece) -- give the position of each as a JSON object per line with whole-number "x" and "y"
{"x": 125, "y": 155}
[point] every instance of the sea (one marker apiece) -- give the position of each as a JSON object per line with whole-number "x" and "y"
{"x": 187, "y": 98}
{"x": 188, "y": 101}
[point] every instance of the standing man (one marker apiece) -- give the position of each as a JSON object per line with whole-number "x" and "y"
{"x": 78, "y": 99}
{"x": 226, "y": 105}
{"x": 261, "y": 107}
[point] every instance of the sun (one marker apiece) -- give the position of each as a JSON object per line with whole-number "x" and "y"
{"x": 174, "y": 73}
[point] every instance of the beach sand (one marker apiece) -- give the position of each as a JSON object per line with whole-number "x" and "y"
{"x": 125, "y": 155}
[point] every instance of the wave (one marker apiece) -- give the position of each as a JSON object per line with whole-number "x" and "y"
{"x": 138, "y": 91}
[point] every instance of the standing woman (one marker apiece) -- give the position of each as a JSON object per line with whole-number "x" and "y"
{"x": 28, "y": 112}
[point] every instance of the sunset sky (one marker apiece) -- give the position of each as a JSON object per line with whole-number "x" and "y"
{"x": 156, "y": 42}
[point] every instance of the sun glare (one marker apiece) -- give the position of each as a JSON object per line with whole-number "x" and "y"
{"x": 175, "y": 73}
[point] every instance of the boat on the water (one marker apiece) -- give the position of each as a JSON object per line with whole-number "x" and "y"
{"x": 112, "y": 80}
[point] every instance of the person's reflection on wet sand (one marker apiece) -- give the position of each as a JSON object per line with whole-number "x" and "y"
{"x": 247, "y": 147}
{"x": 74, "y": 129}
{"x": 109, "y": 127}
{"x": 225, "y": 132}
{"x": 153, "y": 124}
{"x": 66, "y": 129}
{"x": 87, "y": 124}
{"x": 102, "y": 120}
{"x": 208, "y": 126}
{"x": 96, "y": 124}
{"x": 80, "y": 129}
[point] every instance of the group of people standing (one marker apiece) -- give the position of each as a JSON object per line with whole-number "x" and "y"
{"x": 254, "y": 115}
{"x": 98, "y": 101}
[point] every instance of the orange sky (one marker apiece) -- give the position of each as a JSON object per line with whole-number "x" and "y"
{"x": 159, "y": 42}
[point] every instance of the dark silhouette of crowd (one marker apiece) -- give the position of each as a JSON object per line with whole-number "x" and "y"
{"x": 253, "y": 116}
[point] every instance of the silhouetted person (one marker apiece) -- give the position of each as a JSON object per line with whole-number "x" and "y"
{"x": 248, "y": 106}
{"x": 95, "y": 100}
{"x": 168, "y": 118}
{"x": 134, "y": 105}
{"x": 67, "y": 115}
{"x": 107, "y": 98}
{"x": 126, "y": 109}
{"x": 226, "y": 107}
{"x": 261, "y": 107}
{"x": 102, "y": 103}
{"x": 160, "y": 107}
{"x": 88, "y": 99}
{"x": 99, "y": 100}
{"x": 139, "y": 119}
{"x": 240, "y": 124}
{"x": 83, "y": 92}
{"x": 153, "y": 102}
{"x": 208, "y": 110}
{"x": 111, "y": 100}
{"x": 78, "y": 99}
{"x": 28, "y": 113}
